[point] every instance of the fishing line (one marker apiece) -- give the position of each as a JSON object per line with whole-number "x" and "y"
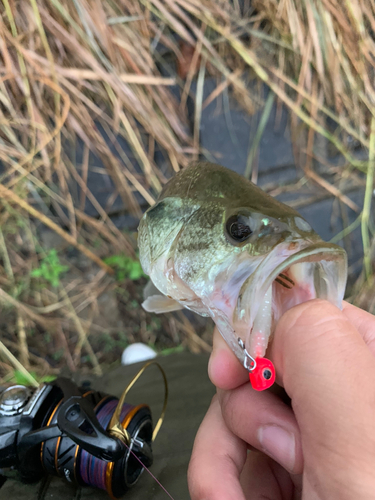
{"x": 151, "y": 474}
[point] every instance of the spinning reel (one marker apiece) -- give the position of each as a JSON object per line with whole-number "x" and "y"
{"x": 83, "y": 436}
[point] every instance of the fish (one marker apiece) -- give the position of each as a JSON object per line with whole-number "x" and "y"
{"x": 218, "y": 245}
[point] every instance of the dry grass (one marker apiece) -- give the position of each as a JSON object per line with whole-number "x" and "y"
{"x": 71, "y": 69}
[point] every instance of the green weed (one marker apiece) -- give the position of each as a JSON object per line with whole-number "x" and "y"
{"x": 172, "y": 350}
{"x": 19, "y": 378}
{"x": 125, "y": 267}
{"x": 50, "y": 268}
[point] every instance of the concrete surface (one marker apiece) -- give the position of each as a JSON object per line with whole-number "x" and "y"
{"x": 190, "y": 393}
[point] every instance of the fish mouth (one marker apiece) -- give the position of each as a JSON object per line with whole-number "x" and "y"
{"x": 318, "y": 270}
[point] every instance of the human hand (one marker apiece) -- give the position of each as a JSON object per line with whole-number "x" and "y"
{"x": 321, "y": 448}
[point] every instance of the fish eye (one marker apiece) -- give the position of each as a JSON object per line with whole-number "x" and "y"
{"x": 238, "y": 228}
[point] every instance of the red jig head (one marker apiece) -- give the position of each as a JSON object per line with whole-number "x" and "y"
{"x": 261, "y": 370}
{"x": 262, "y": 375}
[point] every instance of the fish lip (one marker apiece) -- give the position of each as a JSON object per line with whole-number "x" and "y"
{"x": 311, "y": 253}
{"x": 255, "y": 287}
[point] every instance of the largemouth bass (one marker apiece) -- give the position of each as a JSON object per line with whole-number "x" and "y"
{"x": 218, "y": 245}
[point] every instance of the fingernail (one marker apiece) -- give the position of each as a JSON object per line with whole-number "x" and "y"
{"x": 279, "y": 444}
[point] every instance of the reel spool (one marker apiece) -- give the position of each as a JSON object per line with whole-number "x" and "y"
{"x": 132, "y": 425}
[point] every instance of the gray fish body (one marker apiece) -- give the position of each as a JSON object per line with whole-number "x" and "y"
{"x": 213, "y": 241}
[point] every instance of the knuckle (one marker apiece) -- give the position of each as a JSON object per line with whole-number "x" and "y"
{"x": 315, "y": 315}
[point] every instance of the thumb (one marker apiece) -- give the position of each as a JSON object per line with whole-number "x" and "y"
{"x": 329, "y": 373}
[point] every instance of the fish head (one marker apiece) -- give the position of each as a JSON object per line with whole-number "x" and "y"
{"x": 220, "y": 246}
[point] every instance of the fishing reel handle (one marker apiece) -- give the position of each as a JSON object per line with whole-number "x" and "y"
{"x": 77, "y": 412}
